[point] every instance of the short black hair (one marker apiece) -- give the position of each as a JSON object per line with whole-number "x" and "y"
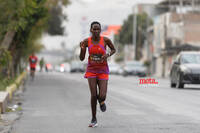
{"x": 94, "y": 22}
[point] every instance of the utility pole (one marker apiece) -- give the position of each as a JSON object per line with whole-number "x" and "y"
{"x": 164, "y": 54}
{"x": 135, "y": 30}
{"x": 193, "y": 5}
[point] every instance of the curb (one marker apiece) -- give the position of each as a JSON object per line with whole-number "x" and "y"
{"x": 11, "y": 89}
{"x": 4, "y": 98}
{"x": 7, "y": 96}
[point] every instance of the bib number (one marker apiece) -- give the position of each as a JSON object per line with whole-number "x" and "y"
{"x": 96, "y": 57}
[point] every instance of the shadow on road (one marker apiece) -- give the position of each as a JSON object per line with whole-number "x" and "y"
{"x": 191, "y": 88}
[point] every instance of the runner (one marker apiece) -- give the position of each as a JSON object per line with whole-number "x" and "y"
{"x": 97, "y": 69}
{"x": 41, "y": 64}
{"x": 32, "y": 62}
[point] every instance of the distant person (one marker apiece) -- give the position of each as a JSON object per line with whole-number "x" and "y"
{"x": 33, "y": 62}
{"x": 41, "y": 64}
{"x": 46, "y": 67}
{"x": 97, "y": 71}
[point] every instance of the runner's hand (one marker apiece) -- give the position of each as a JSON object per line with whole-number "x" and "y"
{"x": 82, "y": 45}
{"x": 104, "y": 57}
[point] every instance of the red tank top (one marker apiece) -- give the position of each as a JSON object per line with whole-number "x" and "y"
{"x": 33, "y": 61}
{"x": 97, "y": 50}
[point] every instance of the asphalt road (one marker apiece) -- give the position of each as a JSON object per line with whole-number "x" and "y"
{"x": 60, "y": 103}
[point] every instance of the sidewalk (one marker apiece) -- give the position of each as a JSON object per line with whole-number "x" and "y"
{"x": 12, "y": 111}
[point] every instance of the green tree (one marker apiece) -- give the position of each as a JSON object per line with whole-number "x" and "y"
{"x": 56, "y": 16}
{"x": 55, "y": 22}
{"x": 125, "y": 35}
{"x": 22, "y": 23}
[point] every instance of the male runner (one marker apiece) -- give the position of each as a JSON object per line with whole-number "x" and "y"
{"x": 32, "y": 63}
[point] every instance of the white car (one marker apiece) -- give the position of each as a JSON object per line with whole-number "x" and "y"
{"x": 77, "y": 66}
{"x": 64, "y": 67}
{"x": 114, "y": 68}
{"x": 134, "y": 68}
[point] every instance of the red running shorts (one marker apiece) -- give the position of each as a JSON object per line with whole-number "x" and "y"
{"x": 99, "y": 76}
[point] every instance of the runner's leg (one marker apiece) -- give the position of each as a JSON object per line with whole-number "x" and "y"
{"x": 33, "y": 74}
{"x": 93, "y": 90}
{"x": 102, "y": 84}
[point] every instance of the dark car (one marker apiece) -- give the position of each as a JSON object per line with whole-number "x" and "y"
{"x": 185, "y": 69}
{"x": 134, "y": 68}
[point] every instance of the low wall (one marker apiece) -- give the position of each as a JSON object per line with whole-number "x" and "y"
{"x": 7, "y": 96}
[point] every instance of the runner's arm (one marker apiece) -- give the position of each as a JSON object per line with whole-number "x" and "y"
{"x": 83, "y": 45}
{"x": 111, "y": 46}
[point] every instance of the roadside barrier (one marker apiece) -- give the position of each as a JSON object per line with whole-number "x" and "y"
{"x": 7, "y": 96}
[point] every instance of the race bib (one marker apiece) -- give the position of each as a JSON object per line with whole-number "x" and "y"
{"x": 33, "y": 60}
{"x": 96, "y": 57}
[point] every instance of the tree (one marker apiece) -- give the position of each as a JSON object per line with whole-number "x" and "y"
{"x": 56, "y": 16}
{"x": 125, "y": 35}
{"x": 22, "y": 23}
{"x": 55, "y": 22}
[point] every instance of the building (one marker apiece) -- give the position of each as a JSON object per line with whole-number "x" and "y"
{"x": 173, "y": 30}
{"x": 152, "y": 11}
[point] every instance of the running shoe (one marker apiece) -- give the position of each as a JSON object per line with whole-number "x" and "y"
{"x": 102, "y": 106}
{"x": 93, "y": 123}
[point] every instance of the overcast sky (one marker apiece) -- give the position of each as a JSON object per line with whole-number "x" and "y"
{"x": 82, "y": 12}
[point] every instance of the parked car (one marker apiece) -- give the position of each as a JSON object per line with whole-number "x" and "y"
{"x": 185, "y": 69}
{"x": 57, "y": 68}
{"x": 114, "y": 68}
{"x": 134, "y": 68}
{"x": 77, "y": 66}
{"x": 64, "y": 67}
